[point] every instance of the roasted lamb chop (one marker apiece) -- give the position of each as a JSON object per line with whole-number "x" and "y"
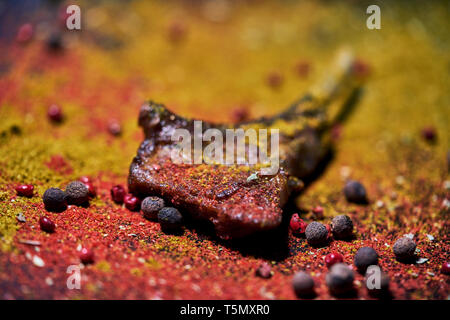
{"x": 237, "y": 198}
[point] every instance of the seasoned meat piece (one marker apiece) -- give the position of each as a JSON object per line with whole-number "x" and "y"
{"x": 238, "y": 199}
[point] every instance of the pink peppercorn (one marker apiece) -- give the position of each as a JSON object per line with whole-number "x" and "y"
{"x": 302, "y": 69}
{"x": 264, "y": 271}
{"x": 177, "y": 30}
{"x": 318, "y": 212}
{"x": 297, "y": 225}
{"x": 114, "y": 128}
{"x": 92, "y": 191}
{"x": 274, "y": 80}
{"x": 25, "y": 190}
{"x": 84, "y": 179}
{"x": 445, "y": 269}
{"x": 330, "y": 234}
{"x": 336, "y": 132}
{"x": 333, "y": 258}
{"x": 132, "y": 203}
{"x": 429, "y": 134}
{"x": 118, "y": 193}
{"x": 361, "y": 69}
{"x": 62, "y": 16}
{"x": 25, "y": 33}
{"x": 55, "y": 113}
{"x": 239, "y": 114}
{"x": 86, "y": 256}
{"x": 47, "y": 225}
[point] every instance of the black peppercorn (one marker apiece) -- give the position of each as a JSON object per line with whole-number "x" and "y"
{"x": 342, "y": 227}
{"x": 404, "y": 249}
{"x": 355, "y": 192}
{"x": 54, "y": 200}
{"x": 316, "y": 233}
{"x": 150, "y": 207}
{"x": 55, "y": 43}
{"x": 170, "y": 219}
{"x": 303, "y": 285}
{"x": 77, "y": 193}
{"x": 365, "y": 257}
{"x": 340, "y": 279}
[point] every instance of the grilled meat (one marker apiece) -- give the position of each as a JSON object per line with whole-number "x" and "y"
{"x": 236, "y": 198}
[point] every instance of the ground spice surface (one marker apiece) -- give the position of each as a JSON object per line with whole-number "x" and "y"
{"x": 171, "y": 53}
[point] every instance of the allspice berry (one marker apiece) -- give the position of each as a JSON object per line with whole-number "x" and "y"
{"x": 77, "y": 193}
{"x": 342, "y": 227}
{"x": 150, "y": 207}
{"x": 303, "y": 285}
{"x": 340, "y": 279}
{"x": 316, "y": 234}
{"x": 355, "y": 192}
{"x": 54, "y": 200}
{"x": 404, "y": 249}
{"x": 365, "y": 257}
{"x": 170, "y": 219}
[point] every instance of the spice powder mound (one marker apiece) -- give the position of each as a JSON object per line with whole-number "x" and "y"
{"x": 95, "y": 82}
